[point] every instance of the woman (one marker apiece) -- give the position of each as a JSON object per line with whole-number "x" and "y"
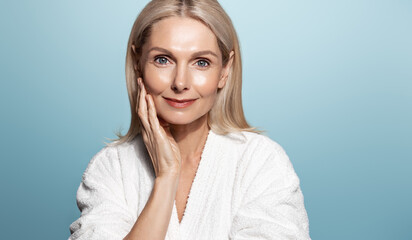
{"x": 190, "y": 167}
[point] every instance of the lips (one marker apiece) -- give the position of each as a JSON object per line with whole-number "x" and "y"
{"x": 179, "y": 103}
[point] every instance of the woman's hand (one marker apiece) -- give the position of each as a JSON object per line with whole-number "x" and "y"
{"x": 163, "y": 149}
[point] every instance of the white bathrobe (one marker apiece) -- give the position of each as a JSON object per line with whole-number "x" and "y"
{"x": 245, "y": 188}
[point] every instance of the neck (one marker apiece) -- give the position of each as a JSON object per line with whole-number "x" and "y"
{"x": 191, "y": 139}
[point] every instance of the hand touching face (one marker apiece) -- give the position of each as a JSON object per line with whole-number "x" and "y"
{"x": 160, "y": 144}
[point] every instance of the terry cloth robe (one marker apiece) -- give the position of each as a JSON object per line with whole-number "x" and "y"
{"x": 245, "y": 188}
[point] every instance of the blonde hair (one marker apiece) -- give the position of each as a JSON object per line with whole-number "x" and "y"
{"x": 226, "y": 114}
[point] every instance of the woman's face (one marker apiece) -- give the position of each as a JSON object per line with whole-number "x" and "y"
{"x": 182, "y": 69}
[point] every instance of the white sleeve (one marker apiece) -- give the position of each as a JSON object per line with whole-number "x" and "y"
{"x": 273, "y": 206}
{"x": 101, "y": 201}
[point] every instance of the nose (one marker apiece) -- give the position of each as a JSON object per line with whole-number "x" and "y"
{"x": 181, "y": 81}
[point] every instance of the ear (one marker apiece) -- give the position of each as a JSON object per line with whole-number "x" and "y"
{"x": 226, "y": 70}
{"x": 133, "y": 48}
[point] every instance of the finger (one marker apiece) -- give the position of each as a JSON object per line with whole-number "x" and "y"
{"x": 145, "y": 137}
{"x": 144, "y": 93}
{"x": 147, "y": 143}
{"x": 162, "y": 122}
{"x": 154, "y": 122}
{"x": 142, "y": 110}
{"x": 139, "y": 94}
{"x": 169, "y": 134}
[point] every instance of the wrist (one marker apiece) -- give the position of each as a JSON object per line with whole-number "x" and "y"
{"x": 168, "y": 178}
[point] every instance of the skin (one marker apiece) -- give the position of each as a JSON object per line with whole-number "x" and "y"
{"x": 180, "y": 60}
{"x": 174, "y": 68}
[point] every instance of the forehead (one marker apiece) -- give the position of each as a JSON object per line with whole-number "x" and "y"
{"x": 182, "y": 34}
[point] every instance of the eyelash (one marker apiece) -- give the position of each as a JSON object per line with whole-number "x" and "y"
{"x": 200, "y": 60}
{"x": 160, "y": 57}
{"x": 203, "y": 60}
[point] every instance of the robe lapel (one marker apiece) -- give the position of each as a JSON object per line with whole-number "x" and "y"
{"x": 199, "y": 191}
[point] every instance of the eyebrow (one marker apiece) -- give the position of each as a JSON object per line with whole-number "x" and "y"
{"x": 194, "y": 55}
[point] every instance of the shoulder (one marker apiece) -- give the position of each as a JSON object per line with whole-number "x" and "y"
{"x": 109, "y": 157}
{"x": 258, "y": 153}
{"x": 254, "y": 142}
{"x": 120, "y": 149}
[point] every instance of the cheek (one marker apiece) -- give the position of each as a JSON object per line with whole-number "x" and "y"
{"x": 206, "y": 82}
{"x": 156, "y": 80}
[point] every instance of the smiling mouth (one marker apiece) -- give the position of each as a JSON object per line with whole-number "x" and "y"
{"x": 179, "y": 103}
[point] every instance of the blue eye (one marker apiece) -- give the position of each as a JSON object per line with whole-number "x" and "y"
{"x": 202, "y": 63}
{"x": 161, "y": 60}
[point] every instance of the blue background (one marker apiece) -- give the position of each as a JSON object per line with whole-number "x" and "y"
{"x": 331, "y": 81}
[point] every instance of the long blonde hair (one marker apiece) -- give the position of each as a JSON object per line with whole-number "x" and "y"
{"x": 226, "y": 114}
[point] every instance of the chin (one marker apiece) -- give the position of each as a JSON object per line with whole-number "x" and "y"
{"x": 179, "y": 119}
